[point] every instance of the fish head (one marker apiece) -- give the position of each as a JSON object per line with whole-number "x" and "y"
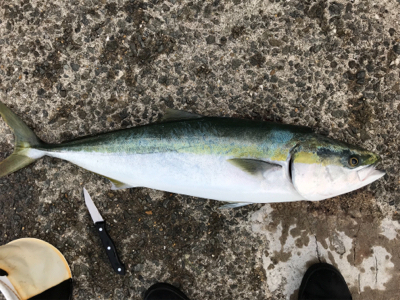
{"x": 322, "y": 168}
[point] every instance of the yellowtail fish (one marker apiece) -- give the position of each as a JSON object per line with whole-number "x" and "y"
{"x": 226, "y": 159}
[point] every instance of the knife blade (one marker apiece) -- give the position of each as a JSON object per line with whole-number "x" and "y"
{"x": 106, "y": 240}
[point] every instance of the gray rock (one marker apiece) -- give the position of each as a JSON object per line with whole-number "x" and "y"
{"x": 364, "y": 136}
{"x": 23, "y": 49}
{"x": 236, "y": 63}
{"x": 339, "y": 113}
{"x": 274, "y": 79}
{"x": 275, "y": 42}
{"x": 210, "y": 39}
{"x": 396, "y": 49}
{"x": 63, "y": 93}
{"x": 335, "y": 8}
{"x": 75, "y": 67}
{"x": 360, "y": 74}
{"x": 138, "y": 267}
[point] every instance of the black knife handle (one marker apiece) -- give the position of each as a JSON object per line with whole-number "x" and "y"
{"x": 108, "y": 244}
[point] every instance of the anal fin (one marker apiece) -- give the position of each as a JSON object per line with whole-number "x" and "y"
{"x": 234, "y": 205}
{"x": 118, "y": 185}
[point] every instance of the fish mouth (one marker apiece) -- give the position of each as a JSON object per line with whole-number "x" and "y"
{"x": 370, "y": 173}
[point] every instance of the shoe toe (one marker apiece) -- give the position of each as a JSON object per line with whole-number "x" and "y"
{"x": 164, "y": 291}
{"x": 322, "y": 282}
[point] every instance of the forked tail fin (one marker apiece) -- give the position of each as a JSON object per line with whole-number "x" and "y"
{"x": 25, "y": 139}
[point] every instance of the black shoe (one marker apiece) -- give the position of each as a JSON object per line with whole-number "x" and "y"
{"x": 323, "y": 282}
{"x": 164, "y": 291}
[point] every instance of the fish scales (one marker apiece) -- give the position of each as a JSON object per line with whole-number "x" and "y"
{"x": 220, "y": 136}
{"x": 227, "y": 159}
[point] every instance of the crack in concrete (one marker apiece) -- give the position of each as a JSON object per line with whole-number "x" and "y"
{"x": 316, "y": 248}
{"x": 315, "y": 235}
{"x": 376, "y": 269}
{"x": 355, "y": 245}
{"x": 354, "y": 257}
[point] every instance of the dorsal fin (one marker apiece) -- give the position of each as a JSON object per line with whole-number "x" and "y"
{"x": 176, "y": 115}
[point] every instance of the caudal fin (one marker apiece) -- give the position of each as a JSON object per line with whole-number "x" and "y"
{"x": 25, "y": 139}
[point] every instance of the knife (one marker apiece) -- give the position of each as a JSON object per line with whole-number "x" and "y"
{"x": 108, "y": 244}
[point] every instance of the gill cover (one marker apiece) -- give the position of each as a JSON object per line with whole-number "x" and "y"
{"x": 33, "y": 269}
{"x": 309, "y": 177}
{"x": 323, "y": 168}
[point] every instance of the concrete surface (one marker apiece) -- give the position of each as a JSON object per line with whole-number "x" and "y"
{"x": 72, "y": 68}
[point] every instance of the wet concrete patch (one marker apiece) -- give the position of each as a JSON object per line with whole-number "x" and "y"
{"x": 359, "y": 240}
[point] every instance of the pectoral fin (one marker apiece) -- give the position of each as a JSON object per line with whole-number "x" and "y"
{"x": 234, "y": 205}
{"x": 253, "y": 166}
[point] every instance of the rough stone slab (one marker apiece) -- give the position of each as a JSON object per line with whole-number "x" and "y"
{"x": 78, "y": 67}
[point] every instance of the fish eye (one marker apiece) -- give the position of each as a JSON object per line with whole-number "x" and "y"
{"x": 353, "y": 161}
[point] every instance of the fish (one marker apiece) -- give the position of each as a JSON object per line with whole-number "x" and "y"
{"x": 234, "y": 160}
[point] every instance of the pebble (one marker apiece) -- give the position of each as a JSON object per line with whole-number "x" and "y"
{"x": 236, "y": 63}
{"x": 75, "y": 67}
{"x": 23, "y": 49}
{"x": 360, "y": 76}
{"x": 273, "y": 79}
{"x": 210, "y": 39}
{"x": 364, "y": 136}
{"x": 396, "y": 49}
{"x": 335, "y": 8}
{"x": 275, "y": 42}
{"x": 338, "y": 113}
{"x": 138, "y": 267}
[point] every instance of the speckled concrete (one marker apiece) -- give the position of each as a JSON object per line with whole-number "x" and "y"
{"x": 78, "y": 67}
